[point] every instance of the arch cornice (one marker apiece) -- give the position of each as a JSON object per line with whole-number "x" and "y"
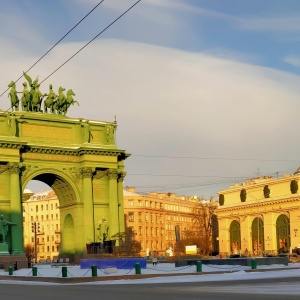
{"x": 75, "y": 151}
{"x": 259, "y": 204}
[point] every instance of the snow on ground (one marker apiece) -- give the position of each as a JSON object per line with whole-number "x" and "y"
{"x": 235, "y": 273}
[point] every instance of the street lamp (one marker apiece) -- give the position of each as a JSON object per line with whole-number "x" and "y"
{"x": 35, "y": 228}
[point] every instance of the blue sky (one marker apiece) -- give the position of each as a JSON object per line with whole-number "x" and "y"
{"x": 209, "y": 88}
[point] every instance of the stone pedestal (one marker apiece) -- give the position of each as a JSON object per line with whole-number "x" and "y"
{"x": 4, "y": 249}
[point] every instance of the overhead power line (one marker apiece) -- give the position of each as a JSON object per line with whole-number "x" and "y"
{"x": 92, "y": 39}
{"x": 212, "y": 158}
{"x": 56, "y": 44}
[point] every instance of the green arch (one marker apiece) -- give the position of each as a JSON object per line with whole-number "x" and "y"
{"x": 258, "y": 245}
{"x": 283, "y": 233}
{"x": 235, "y": 237}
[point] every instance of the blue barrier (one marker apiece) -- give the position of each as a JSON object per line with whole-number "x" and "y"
{"x": 119, "y": 263}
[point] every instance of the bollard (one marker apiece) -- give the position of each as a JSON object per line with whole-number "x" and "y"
{"x": 199, "y": 266}
{"x": 94, "y": 271}
{"x": 10, "y": 270}
{"x": 137, "y": 268}
{"x": 64, "y": 271}
{"x": 34, "y": 271}
{"x": 253, "y": 264}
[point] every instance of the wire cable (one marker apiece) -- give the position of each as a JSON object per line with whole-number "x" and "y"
{"x": 92, "y": 40}
{"x": 56, "y": 44}
{"x": 211, "y": 158}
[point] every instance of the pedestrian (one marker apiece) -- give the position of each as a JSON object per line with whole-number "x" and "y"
{"x": 154, "y": 258}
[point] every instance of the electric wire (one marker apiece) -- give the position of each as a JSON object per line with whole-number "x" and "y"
{"x": 83, "y": 46}
{"x": 56, "y": 43}
{"x": 213, "y": 158}
{"x": 125, "y": 12}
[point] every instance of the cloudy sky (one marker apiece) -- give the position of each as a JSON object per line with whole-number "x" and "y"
{"x": 206, "y": 93}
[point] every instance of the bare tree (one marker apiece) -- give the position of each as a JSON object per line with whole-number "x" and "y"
{"x": 204, "y": 223}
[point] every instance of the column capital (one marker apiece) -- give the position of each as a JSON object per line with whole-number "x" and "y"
{"x": 87, "y": 172}
{"x": 14, "y": 168}
{"x": 121, "y": 176}
{"x": 112, "y": 174}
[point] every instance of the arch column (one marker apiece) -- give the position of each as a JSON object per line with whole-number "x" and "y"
{"x": 16, "y": 210}
{"x": 113, "y": 202}
{"x": 121, "y": 219}
{"x": 88, "y": 210}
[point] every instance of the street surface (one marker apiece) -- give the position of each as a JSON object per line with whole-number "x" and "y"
{"x": 275, "y": 288}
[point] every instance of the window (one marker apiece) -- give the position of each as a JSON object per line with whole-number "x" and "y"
{"x": 42, "y": 207}
{"x": 56, "y": 216}
{"x": 131, "y": 217}
{"x": 146, "y": 203}
{"x": 51, "y": 206}
{"x": 51, "y": 216}
{"x": 140, "y": 203}
{"x": 42, "y": 217}
{"x": 36, "y": 208}
{"x": 140, "y": 217}
{"x": 130, "y": 203}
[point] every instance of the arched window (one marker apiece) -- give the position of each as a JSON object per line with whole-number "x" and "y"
{"x": 235, "y": 237}
{"x": 283, "y": 234}
{"x": 258, "y": 236}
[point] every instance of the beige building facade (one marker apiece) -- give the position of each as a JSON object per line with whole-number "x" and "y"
{"x": 153, "y": 217}
{"x": 42, "y": 209}
{"x": 260, "y": 216}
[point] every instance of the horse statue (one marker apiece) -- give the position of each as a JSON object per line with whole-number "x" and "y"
{"x": 69, "y": 100}
{"x": 26, "y": 98}
{"x": 37, "y": 98}
{"x": 50, "y": 100}
{"x": 14, "y": 100}
{"x": 60, "y": 100}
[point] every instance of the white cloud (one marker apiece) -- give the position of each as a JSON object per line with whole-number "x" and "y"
{"x": 273, "y": 23}
{"x": 177, "y": 103}
{"x": 292, "y": 60}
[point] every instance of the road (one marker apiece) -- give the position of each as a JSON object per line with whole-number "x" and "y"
{"x": 275, "y": 288}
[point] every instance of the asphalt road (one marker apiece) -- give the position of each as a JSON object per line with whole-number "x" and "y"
{"x": 283, "y": 288}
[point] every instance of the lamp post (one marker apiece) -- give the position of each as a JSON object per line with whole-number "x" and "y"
{"x": 35, "y": 227}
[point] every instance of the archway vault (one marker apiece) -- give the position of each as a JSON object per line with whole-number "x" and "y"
{"x": 77, "y": 158}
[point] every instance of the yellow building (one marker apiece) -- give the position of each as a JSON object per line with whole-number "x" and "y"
{"x": 42, "y": 209}
{"x": 153, "y": 218}
{"x": 260, "y": 216}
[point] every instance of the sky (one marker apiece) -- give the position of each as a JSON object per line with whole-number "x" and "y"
{"x": 205, "y": 93}
{"x": 237, "y": 273}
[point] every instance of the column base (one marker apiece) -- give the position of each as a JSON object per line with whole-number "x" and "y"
{"x": 4, "y": 249}
{"x": 17, "y": 252}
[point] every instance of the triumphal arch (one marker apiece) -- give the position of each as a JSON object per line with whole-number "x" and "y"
{"x": 76, "y": 157}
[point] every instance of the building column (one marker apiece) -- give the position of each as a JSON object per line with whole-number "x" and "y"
{"x": 16, "y": 210}
{"x": 121, "y": 216}
{"x": 88, "y": 209}
{"x": 113, "y": 202}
